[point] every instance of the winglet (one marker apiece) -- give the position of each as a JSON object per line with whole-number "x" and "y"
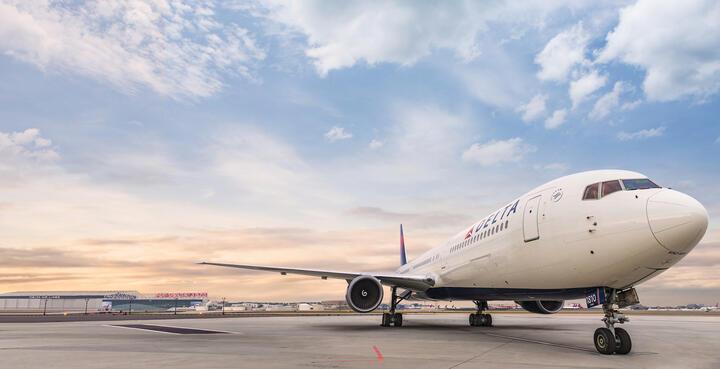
{"x": 403, "y": 257}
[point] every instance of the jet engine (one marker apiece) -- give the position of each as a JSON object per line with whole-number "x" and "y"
{"x": 542, "y": 307}
{"x": 364, "y": 294}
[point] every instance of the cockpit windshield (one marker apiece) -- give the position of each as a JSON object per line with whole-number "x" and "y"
{"x": 609, "y": 187}
{"x": 638, "y": 184}
{"x": 593, "y": 191}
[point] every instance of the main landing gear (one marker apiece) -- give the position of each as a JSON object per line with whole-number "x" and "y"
{"x": 611, "y": 340}
{"x": 479, "y": 319}
{"x": 393, "y": 318}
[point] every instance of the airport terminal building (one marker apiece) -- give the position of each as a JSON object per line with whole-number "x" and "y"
{"x": 99, "y": 301}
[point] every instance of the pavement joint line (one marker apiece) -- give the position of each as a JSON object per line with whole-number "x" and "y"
{"x": 538, "y": 342}
{"x": 480, "y": 354}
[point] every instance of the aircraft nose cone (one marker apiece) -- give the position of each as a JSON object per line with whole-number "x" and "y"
{"x": 677, "y": 220}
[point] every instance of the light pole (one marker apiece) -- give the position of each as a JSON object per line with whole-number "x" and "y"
{"x": 45, "y": 307}
{"x": 86, "y": 304}
{"x": 223, "y": 306}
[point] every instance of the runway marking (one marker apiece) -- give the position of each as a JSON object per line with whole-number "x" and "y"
{"x": 379, "y": 355}
{"x": 168, "y": 329}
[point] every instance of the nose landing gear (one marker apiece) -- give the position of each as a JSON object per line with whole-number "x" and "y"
{"x": 611, "y": 340}
{"x": 479, "y": 319}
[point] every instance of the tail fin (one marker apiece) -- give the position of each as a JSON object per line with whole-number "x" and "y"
{"x": 403, "y": 257}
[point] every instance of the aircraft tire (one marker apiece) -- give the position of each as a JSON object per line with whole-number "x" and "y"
{"x": 624, "y": 343}
{"x": 604, "y": 341}
{"x": 385, "y": 320}
{"x": 473, "y": 320}
{"x": 397, "y": 320}
{"x": 488, "y": 320}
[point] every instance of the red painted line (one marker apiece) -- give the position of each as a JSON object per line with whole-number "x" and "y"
{"x": 379, "y": 355}
{"x": 380, "y": 358}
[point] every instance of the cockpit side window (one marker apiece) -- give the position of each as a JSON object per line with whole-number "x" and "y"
{"x": 609, "y": 187}
{"x": 638, "y": 184}
{"x": 591, "y": 192}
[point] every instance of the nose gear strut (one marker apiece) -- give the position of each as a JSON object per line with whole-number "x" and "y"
{"x": 611, "y": 340}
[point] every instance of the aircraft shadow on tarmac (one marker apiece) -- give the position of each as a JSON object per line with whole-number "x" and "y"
{"x": 509, "y": 332}
{"x": 420, "y": 326}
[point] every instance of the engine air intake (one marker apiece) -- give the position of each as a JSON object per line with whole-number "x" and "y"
{"x": 364, "y": 294}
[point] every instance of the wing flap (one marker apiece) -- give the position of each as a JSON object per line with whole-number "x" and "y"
{"x": 413, "y": 282}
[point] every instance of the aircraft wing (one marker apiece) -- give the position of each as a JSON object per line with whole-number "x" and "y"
{"x": 411, "y": 282}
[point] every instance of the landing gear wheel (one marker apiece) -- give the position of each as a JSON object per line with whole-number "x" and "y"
{"x": 478, "y": 319}
{"x": 604, "y": 341}
{"x": 385, "y": 320}
{"x": 488, "y": 320}
{"x": 397, "y": 319}
{"x": 624, "y": 343}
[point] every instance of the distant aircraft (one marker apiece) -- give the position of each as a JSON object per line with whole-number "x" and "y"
{"x": 593, "y": 234}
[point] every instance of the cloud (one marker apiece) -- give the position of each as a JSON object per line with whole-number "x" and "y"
{"x": 560, "y": 167}
{"x": 534, "y": 108}
{"x": 375, "y": 144}
{"x": 641, "y": 134}
{"x": 581, "y": 88}
{"x": 497, "y": 79}
{"x": 556, "y": 119}
{"x": 425, "y": 141}
{"x": 610, "y": 101}
{"x": 344, "y": 34}
{"x": 562, "y": 53}
{"x": 263, "y": 166}
{"x": 424, "y": 220}
{"x": 496, "y": 152}
{"x": 25, "y": 145}
{"x": 175, "y": 49}
{"x": 680, "y": 60}
{"x": 630, "y": 105}
{"x": 337, "y": 133}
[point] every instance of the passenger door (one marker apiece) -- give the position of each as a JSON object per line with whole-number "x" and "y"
{"x": 531, "y": 231}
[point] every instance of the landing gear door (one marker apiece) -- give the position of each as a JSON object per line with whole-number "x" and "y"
{"x": 530, "y": 219}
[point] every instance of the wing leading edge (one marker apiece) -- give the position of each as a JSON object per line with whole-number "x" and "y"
{"x": 411, "y": 282}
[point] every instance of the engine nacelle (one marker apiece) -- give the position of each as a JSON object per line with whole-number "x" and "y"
{"x": 364, "y": 294}
{"x": 542, "y": 307}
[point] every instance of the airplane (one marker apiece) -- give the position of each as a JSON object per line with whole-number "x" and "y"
{"x": 594, "y": 234}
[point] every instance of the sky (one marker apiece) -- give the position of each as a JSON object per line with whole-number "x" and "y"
{"x": 140, "y": 137}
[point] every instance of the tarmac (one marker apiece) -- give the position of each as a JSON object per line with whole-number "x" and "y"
{"x": 357, "y": 341}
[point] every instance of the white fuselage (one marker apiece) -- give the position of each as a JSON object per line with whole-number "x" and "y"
{"x": 552, "y": 239}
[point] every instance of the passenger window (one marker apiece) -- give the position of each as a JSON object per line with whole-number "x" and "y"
{"x": 501, "y": 226}
{"x": 610, "y": 187}
{"x": 591, "y": 192}
{"x": 506, "y": 223}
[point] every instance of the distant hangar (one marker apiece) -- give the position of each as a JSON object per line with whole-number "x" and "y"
{"x": 99, "y": 301}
